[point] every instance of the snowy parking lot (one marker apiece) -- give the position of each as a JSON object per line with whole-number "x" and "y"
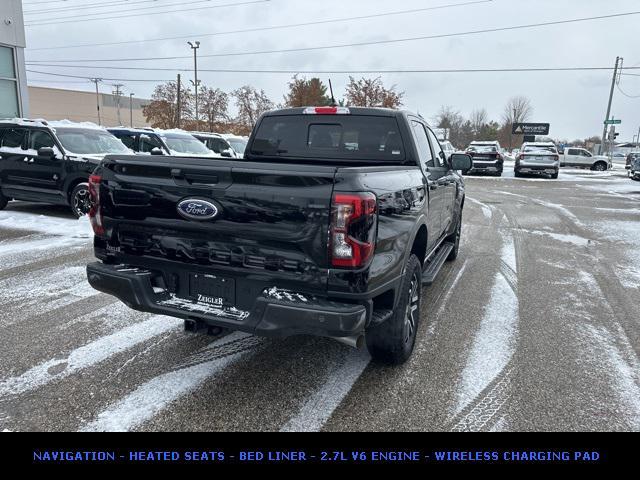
{"x": 535, "y": 327}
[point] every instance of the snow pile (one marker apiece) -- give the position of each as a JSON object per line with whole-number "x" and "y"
{"x": 70, "y": 228}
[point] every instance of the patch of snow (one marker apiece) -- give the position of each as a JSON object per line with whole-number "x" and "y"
{"x": 494, "y": 343}
{"x": 155, "y": 395}
{"x": 623, "y": 373}
{"x": 565, "y": 238}
{"x": 486, "y": 209}
{"x": 321, "y": 404}
{"x": 88, "y": 355}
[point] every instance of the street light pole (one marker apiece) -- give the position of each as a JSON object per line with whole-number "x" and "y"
{"x": 195, "y": 46}
{"x": 131, "y": 109}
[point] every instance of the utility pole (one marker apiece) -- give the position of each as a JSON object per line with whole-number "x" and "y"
{"x": 195, "y": 46}
{"x": 179, "y": 103}
{"x": 131, "y": 109}
{"x": 118, "y": 93}
{"x": 96, "y": 81}
{"x": 613, "y": 84}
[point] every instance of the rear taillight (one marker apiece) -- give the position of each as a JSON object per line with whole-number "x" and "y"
{"x": 353, "y": 229}
{"x": 521, "y": 156}
{"x": 95, "y": 214}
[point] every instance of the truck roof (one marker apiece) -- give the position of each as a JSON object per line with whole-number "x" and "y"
{"x": 374, "y": 111}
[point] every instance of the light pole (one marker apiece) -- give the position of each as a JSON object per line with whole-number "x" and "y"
{"x": 195, "y": 46}
{"x": 131, "y": 109}
{"x": 96, "y": 81}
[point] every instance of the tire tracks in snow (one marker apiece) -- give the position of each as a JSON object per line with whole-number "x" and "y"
{"x": 494, "y": 344}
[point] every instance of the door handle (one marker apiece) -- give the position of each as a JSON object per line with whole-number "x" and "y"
{"x": 26, "y": 159}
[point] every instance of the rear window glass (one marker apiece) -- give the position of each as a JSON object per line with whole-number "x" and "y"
{"x": 540, "y": 149}
{"x": 356, "y": 137}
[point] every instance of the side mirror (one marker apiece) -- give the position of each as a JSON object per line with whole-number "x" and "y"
{"x": 461, "y": 161}
{"x": 46, "y": 152}
{"x": 156, "y": 151}
{"x": 226, "y": 154}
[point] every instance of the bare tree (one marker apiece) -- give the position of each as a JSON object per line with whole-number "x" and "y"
{"x": 214, "y": 105}
{"x": 371, "y": 92}
{"x": 479, "y": 119}
{"x": 162, "y": 111}
{"x": 517, "y": 110}
{"x": 251, "y": 104}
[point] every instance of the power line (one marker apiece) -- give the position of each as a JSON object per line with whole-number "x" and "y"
{"x": 89, "y": 79}
{"x": 353, "y": 71}
{"x": 626, "y": 94}
{"x": 357, "y": 44}
{"x": 74, "y": 20}
{"x": 88, "y": 5}
{"x": 273, "y": 27}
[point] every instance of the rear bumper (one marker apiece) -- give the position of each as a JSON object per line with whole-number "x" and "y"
{"x": 480, "y": 166}
{"x": 275, "y": 313}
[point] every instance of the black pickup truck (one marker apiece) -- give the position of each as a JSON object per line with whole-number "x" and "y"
{"x": 329, "y": 226}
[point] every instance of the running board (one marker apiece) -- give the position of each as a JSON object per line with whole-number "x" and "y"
{"x": 432, "y": 268}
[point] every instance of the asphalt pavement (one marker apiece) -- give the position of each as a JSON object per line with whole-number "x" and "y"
{"x": 534, "y": 327}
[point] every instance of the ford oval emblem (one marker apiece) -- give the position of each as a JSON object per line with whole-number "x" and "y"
{"x": 196, "y": 209}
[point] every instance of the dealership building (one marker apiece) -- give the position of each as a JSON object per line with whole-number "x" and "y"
{"x": 14, "y": 100}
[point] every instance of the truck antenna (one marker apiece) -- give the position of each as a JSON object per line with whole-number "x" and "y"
{"x": 333, "y": 99}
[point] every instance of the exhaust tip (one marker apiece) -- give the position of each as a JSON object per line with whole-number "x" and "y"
{"x": 355, "y": 341}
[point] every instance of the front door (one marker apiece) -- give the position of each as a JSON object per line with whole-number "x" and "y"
{"x": 45, "y": 173}
{"x": 435, "y": 190}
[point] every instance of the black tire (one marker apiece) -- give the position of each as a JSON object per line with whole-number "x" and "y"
{"x": 3, "y": 201}
{"x": 392, "y": 341}
{"x": 517, "y": 173}
{"x": 79, "y": 200}
{"x": 599, "y": 167}
{"x": 555, "y": 175}
{"x": 455, "y": 239}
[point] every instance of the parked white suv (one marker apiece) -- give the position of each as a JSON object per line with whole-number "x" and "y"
{"x": 579, "y": 157}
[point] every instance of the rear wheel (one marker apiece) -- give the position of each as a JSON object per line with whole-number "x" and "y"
{"x": 79, "y": 200}
{"x": 600, "y": 167}
{"x": 517, "y": 173}
{"x": 392, "y": 341}
{"x": 555, "y": 175}
{"x": 3, "y": 201}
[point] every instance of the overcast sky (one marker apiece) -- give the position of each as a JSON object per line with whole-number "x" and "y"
{"x": 573, "y": 102}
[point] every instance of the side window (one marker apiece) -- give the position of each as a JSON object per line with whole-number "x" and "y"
{"x": 148, "y": 143}
{"x": 13, "y": 138}
{"x": 572, "y": 151}
{"x": 39, "y": 139}
{"x": 217, "y": 145}
{"x": 129, "y": 140}
{"x": 438, "y": 154}
{"x": 422, "y": 142}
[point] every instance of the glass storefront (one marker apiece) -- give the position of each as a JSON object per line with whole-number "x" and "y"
{"x": 9, "y": 106}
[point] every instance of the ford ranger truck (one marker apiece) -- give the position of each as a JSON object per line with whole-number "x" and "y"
{"x": 329, "y": 226}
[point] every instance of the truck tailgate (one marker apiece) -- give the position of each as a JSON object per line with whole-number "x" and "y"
{"x": 271, "y": 223}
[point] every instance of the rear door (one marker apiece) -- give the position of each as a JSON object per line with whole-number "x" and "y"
{"x": 14, "y": 160}
{"x": 434, "y": 174}
{"x": 572, "y": 157}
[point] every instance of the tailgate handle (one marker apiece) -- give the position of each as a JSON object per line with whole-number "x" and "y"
{"x": 193, "y": 178}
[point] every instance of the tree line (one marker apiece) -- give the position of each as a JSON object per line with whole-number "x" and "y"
{"x": 214, "y": 116}
{"x": 213, "y": 104}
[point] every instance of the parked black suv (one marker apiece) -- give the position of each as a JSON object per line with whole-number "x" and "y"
{"x": 50, "y": 162}
{"x": 330, "y": 226}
